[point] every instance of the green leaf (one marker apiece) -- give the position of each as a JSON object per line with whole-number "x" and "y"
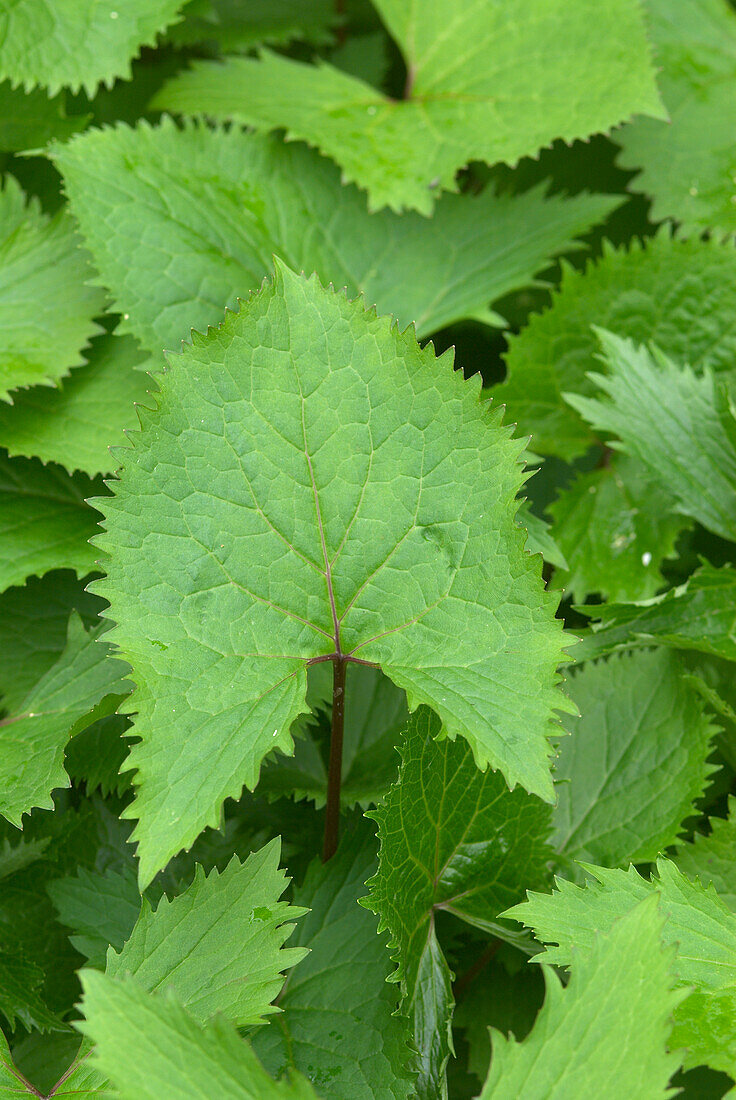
{"x": 698, "y": 615}
{"x": 710, "y": 859}
{"x": 34, "y": 739}
{"x": 234, "y": 28}
{"x": 322, "y": 485}
{"x": 540, "y": 540}
{"x": 375, "y": 709}
{"x": 470, "y": 92}
{"x": 218, "y": 946}
{"x": 697, "y": 923}
{"x": 15, "y": 857}
{"x": 452, "y": 839}
{"x": 96, "y": 755}
{"x": 80, "y": 43}
{"x": 100, "y": 908}
{"x": 12, "y": 1081}
{"x": 688, "y": 162}
{"x": 615, "y": 528}
{"x": 610, "y": 1024}
{"x": 34, "y": 622}
{"x": 336, "y": 1023}
{"x": 218, "y": 204}
{"x": 46, "y": 306}
{"x": 45, "y": 521}
{"x": 635, "y": 761}
{"x": 678, "y": 426}
{"x": 679, "y": 294}
{"x": 21, "y": 997}
{"x": 29, "y": 120}
{"x": 75, "y": 423}
{"x": 150, "y": 1047}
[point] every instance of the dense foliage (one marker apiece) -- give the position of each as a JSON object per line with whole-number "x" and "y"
{"x": 368, "y": 723}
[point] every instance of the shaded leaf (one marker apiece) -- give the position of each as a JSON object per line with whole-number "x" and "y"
{"x": 635, "y": 761}
{"x": 469, "y": 95}
{"x": 687, "y": 163}
{"x": 75, "y": 423}
{"x": 679, "y": 294}
{"x": 45, "y": 522}
{"x": 698, "y": 615}
{"x": 100, "y": 909}
{"x": 680, "y": 427}
{"x": 217, "y": 205}
{"x": 453, "y": 839}
{"x": 46, "y": 306}
{"x": 336, "y": 1023}
{"x": 710, "y": 859}
{"x": 29, "y": 120}
{"x": 34, "y": 739}
{"x": 615, "y": 528}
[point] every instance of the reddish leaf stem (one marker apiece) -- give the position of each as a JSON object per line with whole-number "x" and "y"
{"x": 334, "y": 775}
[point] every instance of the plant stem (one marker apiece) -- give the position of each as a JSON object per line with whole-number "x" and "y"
{"x": 334, "y": 776}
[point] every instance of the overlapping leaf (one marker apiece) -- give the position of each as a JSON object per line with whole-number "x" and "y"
{"x": 375, "y": 710}
{"x": 681, "y": 428}
{"x": 75, "y": 424}
{"x": 697, "y": 923}
{"x": 281, "y": 488}
{"x": 216, "y": 205}
{"x": 33, "y": 739}
{"x": 151, "y": 1047}
{"x": 45, "y": 522}
{"x": 687, "y": 163}
{"x": 236, "y": 28}
{"x": 635, "y": 761}
{"x": 614, "y": 528}
{"x": 100, "y": 908}
{"x": 606, "y": 1030}
{"x": 46, "y": 304}
{"x": 699, "y": 615}
{"x": 77, "y": 43}
{"x": 453, "y": 839}
{"x": 710, "y": 859}
{"x": 337, "y": 1023}
{"x": 29, "y": 120}
{"x": 680, "y": 295}
{"x": 34, "y": 622}
{"x": 470, "y": 93}
{"x": 219, "y": 946}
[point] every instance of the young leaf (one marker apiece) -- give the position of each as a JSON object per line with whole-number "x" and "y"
{"x": 46, "y": 306}
{"x": 100, "y": 908}
{"x": 218, "y": 204}
{"x": 219, "y": 946}
{"x": 679, "y": 426}
{"x": 34, "y": 739}
{"x": 45, "y": 522}
{"x": 34, "y": 623}
{"x": 236, "y": 28}
{"x": 679, "y": 294}
{"x": 75, "y": 423}
{"x": 614, "y": 527}
{"x": 698, "y": 924}
{"x": 320, "y": 484}
{"x": 453, "y": 839}
{"x": 336, "y": 1023}
{"x": 604, "y": 1033}
{"x": 687, "y": 162}
{"x": 79, "y": 44}
{"x": 149, "y": 1047}
{"x": 469, "y": 95}
{"x": 636, "y": 760}
{"x": 710, "y": 859}
{"x": 698, "y": 615}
